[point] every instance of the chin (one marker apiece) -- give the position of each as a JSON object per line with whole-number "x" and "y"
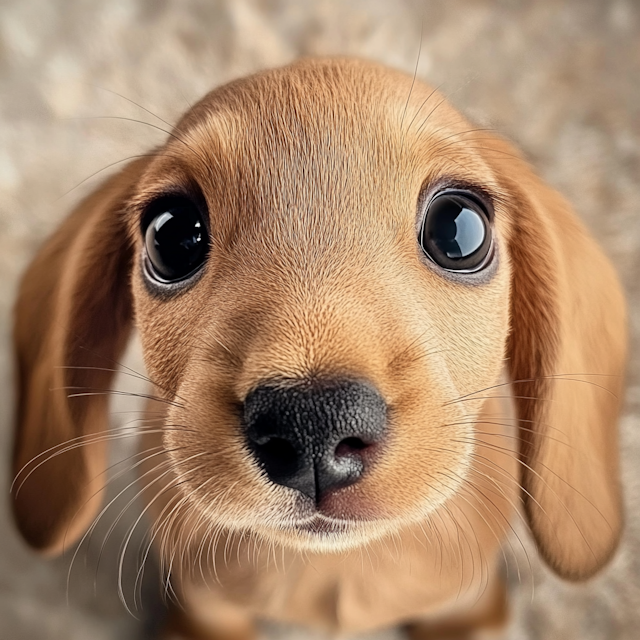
{"x": 323, "y": 534}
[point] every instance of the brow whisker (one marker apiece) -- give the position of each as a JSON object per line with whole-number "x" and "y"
{"x": 133, "y": 102}
{"x": 415, "y": 73}
{"x": 105, "y": 168}
{"x": 171, "y": 134}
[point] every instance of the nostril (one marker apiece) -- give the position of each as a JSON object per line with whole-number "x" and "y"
{"x": 278, "y": 456}
{"x": 316, "y": 435}
{"x": 350, "y": 446}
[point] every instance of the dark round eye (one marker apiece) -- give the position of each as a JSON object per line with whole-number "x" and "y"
{"x": 456, "y": 233}
{"x": 176, "y": 239}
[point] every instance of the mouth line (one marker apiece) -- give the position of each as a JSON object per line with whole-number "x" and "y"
{"x": 324, "y": 525}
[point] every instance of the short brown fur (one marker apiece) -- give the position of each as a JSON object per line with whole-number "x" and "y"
{"x": 312, "y": 176}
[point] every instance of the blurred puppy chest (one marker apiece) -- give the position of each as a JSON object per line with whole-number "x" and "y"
{"x": 391, "y": 583}
{"x": 337, "y": 593}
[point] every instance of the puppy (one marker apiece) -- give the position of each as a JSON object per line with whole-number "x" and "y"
{"x": 334, "y": 277}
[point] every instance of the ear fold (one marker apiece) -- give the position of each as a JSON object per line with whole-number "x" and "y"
{"x": 72, "y": 320}
{"x": 567, "y": 351}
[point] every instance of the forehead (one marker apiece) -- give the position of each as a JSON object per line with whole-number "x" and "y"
{"x": 318, "y": 142}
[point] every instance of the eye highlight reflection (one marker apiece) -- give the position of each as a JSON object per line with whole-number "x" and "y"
{"x": 176, "y": 240}
{"x": 456, "y": 232}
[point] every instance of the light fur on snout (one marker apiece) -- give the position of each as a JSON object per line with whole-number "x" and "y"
{"x": 313, "y": 178}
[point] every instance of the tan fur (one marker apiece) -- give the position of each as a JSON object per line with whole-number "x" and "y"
{"x": 312, "y": 176}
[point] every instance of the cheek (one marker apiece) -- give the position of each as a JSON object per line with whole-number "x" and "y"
{"x": 472, "y": 327}
{"x": 440, "y": 396}
{"x": 426, "y": 459}
{"x": 168, "y": 329}
{"x": 207, "y": 449}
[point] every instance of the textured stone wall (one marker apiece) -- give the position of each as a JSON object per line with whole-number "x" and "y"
{"x": 562, "y": 79}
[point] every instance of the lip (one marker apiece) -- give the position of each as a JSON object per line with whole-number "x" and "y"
{"x": 322, "y": 525}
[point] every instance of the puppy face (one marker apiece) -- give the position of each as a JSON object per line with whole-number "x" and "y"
{"x": 329, "y": 269}
{"x": 314, "y": 284}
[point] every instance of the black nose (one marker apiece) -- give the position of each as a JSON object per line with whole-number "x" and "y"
{"x": 314, "y": 436}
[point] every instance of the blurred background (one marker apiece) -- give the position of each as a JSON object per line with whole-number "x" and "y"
{"x": 561, "y": 79}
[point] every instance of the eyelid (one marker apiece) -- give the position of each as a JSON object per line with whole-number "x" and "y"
{"x": 430, "y": 189}
{"x": 485, "y": 204}
{"x": 148, "y": 208}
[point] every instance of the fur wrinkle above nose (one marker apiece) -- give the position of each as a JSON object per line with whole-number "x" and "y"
{"x": 314, "y": 436}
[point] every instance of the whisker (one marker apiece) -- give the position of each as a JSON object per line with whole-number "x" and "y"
{"x": 155, "y": 528}
{"x": 553, "y": 377}
{"x": 171, "y": 134}
{"x": 137, "y": 521}
{"x": 94, "y": 524}
{"x": 157, "y": 451}
{"x": 90, "y": 439}
{"x": 105, "y": 168}
{"x": 115, "y": 93}
{"x": 560, "y": 501}
{"x": 505, "y": 435}
{"x": 117, "y": 392}
{"x": 129, "y": 372}
{"x": 490, "y": 464}
{"x": 507, "y": 522}
{"x": 123, "y": 367}
{"x": 415, "y": 73}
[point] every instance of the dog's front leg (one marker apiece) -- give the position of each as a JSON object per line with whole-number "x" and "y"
{"x": 485, "y": 620}
{"x": 205, "y": 615}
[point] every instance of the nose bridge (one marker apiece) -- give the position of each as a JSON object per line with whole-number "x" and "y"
{"x": 317, "y": 253}
{"x": 324, "y": 329}
{"x": 317, "y": 411}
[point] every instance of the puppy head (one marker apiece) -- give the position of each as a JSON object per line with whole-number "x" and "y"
{"x": 327, "y": 269}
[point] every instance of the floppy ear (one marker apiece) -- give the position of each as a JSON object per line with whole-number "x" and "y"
{"x": 72, "y": 320}
{"x": 567, "y": 351}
